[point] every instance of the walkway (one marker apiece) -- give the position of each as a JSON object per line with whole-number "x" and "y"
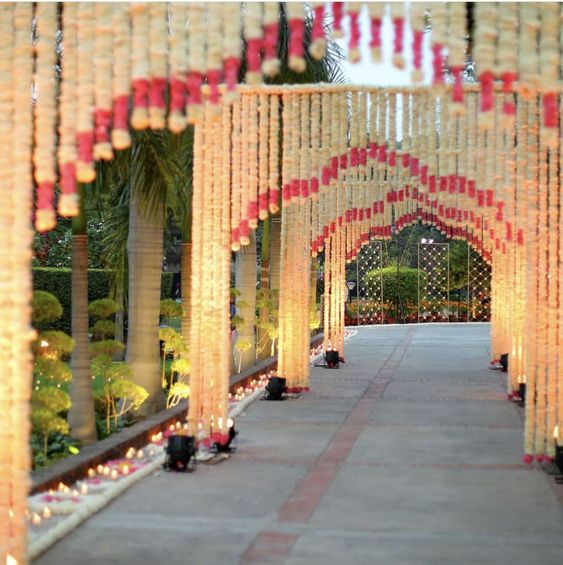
{"x": 408, "y": 454}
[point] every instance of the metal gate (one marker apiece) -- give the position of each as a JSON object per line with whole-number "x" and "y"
{"x": 433, "y": 282}
{"x": 370, "y": 284}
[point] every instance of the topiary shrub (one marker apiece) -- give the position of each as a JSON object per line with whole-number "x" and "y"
{"x": 109, "y": 347}
{"x": 53, "y": 345}
{"x": 46, "y": 308}
{"x": 102, "y": 329}
{"x": 102, "y": 308}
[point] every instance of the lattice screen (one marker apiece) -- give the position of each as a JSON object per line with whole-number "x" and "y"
{"x": 370, "y": 288}
{"x": 433, "y": 282}
{"x": 478, "y": 287}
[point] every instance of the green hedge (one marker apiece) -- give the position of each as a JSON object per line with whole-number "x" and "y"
{"x": 58, "y": 282}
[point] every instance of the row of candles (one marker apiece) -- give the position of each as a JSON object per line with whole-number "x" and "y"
{"x": 124, "y": 469}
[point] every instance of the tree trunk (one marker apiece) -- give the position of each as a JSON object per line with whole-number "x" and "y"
{"x": 81, "y": 416}
{"x": 145, "y": 253}
{"x": 186, "y": 282}
{"x": 245, "y": 276}
{"x": 263, "y": 338}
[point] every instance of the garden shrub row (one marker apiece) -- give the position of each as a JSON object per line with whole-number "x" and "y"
{"x": 58, "y": 282}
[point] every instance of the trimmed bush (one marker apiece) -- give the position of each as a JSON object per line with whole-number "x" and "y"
{"x": 46, "y": 307}
{"x": 58, "y": 282}
{"x": 103, "y": 329}
{"x": 53, "y": 344}
{"x": 102, "y": 308}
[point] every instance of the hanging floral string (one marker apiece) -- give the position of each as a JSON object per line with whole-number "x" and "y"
{"x": 45, "y": 116}
{"x": 296, "y": 23}
{"x": 197, "y": 60}
{"x": 398, "y": 18}
{"x": 120, "y": 136}
{"x": 253, "y": 35}
{"x": 271, "y": 62}
{"x": 102, "y": 82}
{"x": 317, "y": 48}
{"x": 140, "y": 65}
{"x": 232, "y": 49}
{"x": 507, "y": 57}
{"x": 68, "y": 200}
{"x": 418, "y": 10}
{"x": 486, "y": 35}
{"x": 456, "y": 53}
{"x": 85, "y": 171}
{"x": 178, "y": 67}
{"x": 215, "y": 53}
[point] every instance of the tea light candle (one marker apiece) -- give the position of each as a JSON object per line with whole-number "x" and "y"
{"x": 107, "y": 471}
{"x": 35, "y": 519}
{"x": 140, "y": 454}
{"x": 178, "y": 425}
{"x": 125, "y": 469}
{"x": 47, "y": 513}
{"x": 151, "y": 452}
{"x": 75, "y": 493}
{"x": 91, "y": 473}
{"x": 100, "y": 469}
{"x": 83, "y": 488}
{"x": 131, "y": 453}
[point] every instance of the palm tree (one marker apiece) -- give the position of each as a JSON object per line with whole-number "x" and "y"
{"x": 81, "y": 416}
{"x": 152, "y": 179}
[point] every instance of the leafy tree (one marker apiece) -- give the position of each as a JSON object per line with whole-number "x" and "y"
{"x": 117, "y": 393}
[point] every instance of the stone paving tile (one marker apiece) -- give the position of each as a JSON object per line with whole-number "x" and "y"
{"x": 408, "y": 454}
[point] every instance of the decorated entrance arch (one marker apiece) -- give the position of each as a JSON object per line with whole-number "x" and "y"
{"x": 480, "y": 163}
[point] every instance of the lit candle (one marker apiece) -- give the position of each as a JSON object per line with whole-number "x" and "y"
{"x": 140, "y": 454}
{"x": 100, "y": 469}
{"x": 35, "y": 519}
{"x": 91, "y": 473}
{"x": 83, "y": 488}
{"x": 130, "y": 453}
{"x": 125, "y": 470}
{"x": 62, "y": 487}
{"x": 47, "y": 513}
{"x": 107, "y": 471}
{"x": 75, "y": 493}
{"x": 151, "y": 452}
{"x": 114, "y": 474}
{"x": 178, "y": 425}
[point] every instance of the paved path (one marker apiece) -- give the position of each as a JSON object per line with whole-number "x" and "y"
{"x": 408, "y": 454}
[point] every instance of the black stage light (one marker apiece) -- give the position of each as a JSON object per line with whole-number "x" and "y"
{"x": 332, "y": 359}
{"x": 559, "y": 457}
{"x": 504, "y": 362}
{"x": 179, "y": 452}
{"x": 522, "y": 391}
{"x": 275, "y": 388}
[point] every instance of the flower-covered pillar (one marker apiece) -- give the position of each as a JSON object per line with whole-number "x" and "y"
{"x": 211, "y": 259}
{"x": 16, "y": 333}
{"x": 295, "y": 271}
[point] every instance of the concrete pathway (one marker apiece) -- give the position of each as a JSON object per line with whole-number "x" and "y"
{"x": 408, "y": 454}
